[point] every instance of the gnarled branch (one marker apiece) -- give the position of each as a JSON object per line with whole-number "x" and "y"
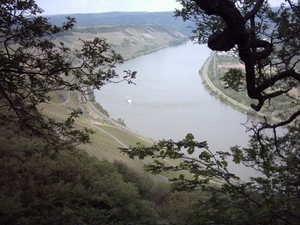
{"x": 237, "y": 34}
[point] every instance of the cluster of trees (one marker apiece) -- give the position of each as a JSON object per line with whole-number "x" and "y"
{"x": 45, "y": 180}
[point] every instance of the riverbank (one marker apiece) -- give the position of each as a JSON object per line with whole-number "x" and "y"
{"x": 210, "y": 66}
{"x": 154, "y": 49}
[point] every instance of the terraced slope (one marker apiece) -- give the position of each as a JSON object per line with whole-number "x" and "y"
{"x": 128, "y": 40}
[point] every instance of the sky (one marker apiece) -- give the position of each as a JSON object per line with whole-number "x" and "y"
{"x": 98, "y": 6}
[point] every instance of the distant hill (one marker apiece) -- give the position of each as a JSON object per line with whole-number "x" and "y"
{"x": 126, "y": 18}
{"x": 150, "y": 18}
{"x": 130, "y": 40}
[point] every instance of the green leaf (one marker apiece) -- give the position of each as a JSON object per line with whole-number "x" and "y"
{"x": 237, "y": 158}
{"x": 191, "y": 150}
{"x": 205, "y": 155}
{"x": 224, "y": 163}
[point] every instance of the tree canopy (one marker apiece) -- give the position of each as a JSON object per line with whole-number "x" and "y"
{"x": 267, "y": 41}
{"x": 34, "y": 63}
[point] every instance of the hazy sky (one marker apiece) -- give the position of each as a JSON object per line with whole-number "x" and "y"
{"x": 97, "y": 6}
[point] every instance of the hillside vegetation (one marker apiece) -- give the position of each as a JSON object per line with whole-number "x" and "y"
{"x": 128, "y": 40}
{"x": 42, "y": 186}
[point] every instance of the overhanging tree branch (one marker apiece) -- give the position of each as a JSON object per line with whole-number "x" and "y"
{"x": 251, "y": 48}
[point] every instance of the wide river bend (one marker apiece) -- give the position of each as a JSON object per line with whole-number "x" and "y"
{"x": 169, "y": 100}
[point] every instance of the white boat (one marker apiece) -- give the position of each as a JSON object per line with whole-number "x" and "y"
{"x": 128, "y": 100}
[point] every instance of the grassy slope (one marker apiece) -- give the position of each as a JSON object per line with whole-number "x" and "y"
{"x": 103, "y": 145}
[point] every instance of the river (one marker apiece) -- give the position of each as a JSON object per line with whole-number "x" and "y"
{"x": 169, "y": 100}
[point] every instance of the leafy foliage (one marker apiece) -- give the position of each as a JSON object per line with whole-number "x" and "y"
{"x": 266, "y": 41}
{"x": 272, "y": 197}
{"x": 143, "y": 183}
{"x": 234, "y": 79}
{"x": 180, "y": 207}
{"x": 33, "y": 64}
